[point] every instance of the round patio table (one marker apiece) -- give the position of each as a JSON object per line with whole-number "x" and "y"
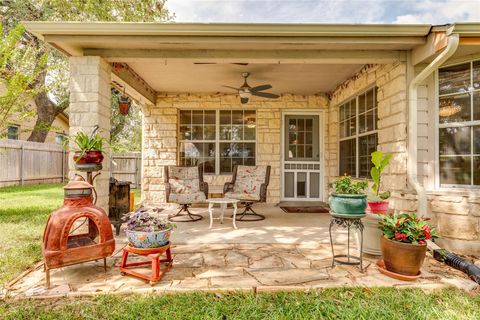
{"x": 347, "y": 221}
{"x": 223, "y": 205}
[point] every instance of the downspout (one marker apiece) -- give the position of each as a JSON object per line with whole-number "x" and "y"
{"x": 412, "y": 160}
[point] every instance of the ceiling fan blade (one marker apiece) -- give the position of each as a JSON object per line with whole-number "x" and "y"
{"x": 261, "y": 88}
{"x": 265, "y": 95}
{"x": 231, "y": 88}
{"x": 204, "y": 63}
{"x": 244, "y": 100}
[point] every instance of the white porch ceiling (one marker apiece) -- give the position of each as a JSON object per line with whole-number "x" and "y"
{"x": 186, "y": 76}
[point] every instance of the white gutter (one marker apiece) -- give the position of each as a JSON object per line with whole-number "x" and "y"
{"x": 453, "y": 40}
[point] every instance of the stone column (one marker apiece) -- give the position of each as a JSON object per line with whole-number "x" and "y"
{"x": 90, "y": 106}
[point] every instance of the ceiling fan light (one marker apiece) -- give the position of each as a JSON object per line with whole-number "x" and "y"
{"x": 245, "y": 94}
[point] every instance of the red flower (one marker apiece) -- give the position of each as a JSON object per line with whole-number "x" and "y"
{"x": 401, "y": 236}
{"x": 421, "y": 242}
{"x": 426, "y": 232}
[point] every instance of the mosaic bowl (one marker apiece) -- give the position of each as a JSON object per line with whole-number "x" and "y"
{"x": 154, "y": 239}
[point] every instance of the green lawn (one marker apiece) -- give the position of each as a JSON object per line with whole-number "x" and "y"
{"x": 23, "y": 214}
{"x": 386, "y": 303}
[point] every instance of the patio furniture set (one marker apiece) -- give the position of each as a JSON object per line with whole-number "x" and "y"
{"x": 185, "y": 186}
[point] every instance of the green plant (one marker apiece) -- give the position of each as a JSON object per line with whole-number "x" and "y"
{"x": 407, "y": 228}
{"x": 86, "y": 143}
{"x": 345, "y": 185}
{"x": 380, "y": 161}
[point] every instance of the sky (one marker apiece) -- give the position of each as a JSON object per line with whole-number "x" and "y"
{"x": 321, "y": 11}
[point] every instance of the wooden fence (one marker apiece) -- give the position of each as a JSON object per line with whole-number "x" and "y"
{"x": 25, "y": 162}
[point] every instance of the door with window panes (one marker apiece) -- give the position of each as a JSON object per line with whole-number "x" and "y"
{"x": 301, "y": 158}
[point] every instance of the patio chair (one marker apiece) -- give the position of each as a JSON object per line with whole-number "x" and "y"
{"x": 249, "y": 185}
{"x": 185, "y": 186}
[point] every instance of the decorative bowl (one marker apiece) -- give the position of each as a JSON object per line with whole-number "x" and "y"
{"x": 154, "y": 239}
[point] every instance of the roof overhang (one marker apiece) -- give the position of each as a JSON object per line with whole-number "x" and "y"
{"x": 73, "y": 38}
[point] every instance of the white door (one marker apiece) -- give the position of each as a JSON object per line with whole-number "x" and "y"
{"x": 301, "y": 165}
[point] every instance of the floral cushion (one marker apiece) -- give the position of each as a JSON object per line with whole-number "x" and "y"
{"x": 249, "y": 180}
{"x": 187, "y": 198}
{"x": 183, "y": 180}
{"x": 242, "y": 196}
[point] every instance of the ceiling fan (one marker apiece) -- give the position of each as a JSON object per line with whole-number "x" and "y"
{"x": 245, "y": 91}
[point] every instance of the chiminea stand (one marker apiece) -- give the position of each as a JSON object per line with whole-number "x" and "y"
{"x": 154, "y": 255}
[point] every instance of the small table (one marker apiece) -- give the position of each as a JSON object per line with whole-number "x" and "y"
{"x": 154, "y": 255}
{"x": 347, "y": 221}
{"x": 223, "y": 205}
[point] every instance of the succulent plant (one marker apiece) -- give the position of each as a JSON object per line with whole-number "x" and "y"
{"x": 143, "y": 219}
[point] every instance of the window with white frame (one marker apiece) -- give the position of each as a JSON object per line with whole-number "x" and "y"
{"x": 459, "y": 124}
{"x": 358, "y": 119}
{"x": 217, "y": 139}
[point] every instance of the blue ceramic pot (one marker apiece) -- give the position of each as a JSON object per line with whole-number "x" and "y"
{"x": 348, "y": 203}
{"x": 154, "y": 239}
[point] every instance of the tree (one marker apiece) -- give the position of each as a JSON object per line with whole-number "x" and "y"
{"x": 126, "y": 131}
{"x": 20, "y": 67}
{"x": 54, "y": 98}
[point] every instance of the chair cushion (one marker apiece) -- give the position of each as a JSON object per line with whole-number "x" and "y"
{"x": 249, "y": 180}
{"x": 243, "y": 196}
{"x": 183, "y": 180}
{"x": 187, "y": 198}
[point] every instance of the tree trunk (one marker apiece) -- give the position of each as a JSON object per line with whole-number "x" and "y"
{"x": 47, "y": 111}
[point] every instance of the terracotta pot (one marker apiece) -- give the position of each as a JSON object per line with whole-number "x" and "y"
{"x": 378, "y": 206}
{"x": 124, "y": 107}
{"x": 403, "y": 258}
{"x": 91, "y": 156}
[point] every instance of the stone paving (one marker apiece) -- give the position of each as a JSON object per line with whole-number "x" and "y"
{"x": 228, "y": 267}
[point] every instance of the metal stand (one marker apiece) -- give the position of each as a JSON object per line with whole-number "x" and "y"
{"x": 248, "y": 214}
{"x": 347, "y": 221}
{"x": 89, "y": 169}
{"x": 182, "y": 217}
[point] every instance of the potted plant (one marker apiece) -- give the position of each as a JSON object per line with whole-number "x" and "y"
{"x": 349, "y": 196}
{"x": 377, "y": 201}
{"x": 89, "y": 148}
{"x": 123, "y": 104}
{"x": 404, "y": 242}
{"x": 147, "y": 231}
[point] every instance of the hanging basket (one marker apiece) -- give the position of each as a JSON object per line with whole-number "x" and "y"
{"x": 124, "y": 106}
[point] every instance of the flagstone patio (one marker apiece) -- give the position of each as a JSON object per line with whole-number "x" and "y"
{"x": 270, "y": 255}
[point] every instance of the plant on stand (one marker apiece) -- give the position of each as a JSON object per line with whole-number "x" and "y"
{"x": 404, "y": 242}
{"x": 377, "y": 201}
{"x": 349, "y": 196}
{"x": 89, "y": 148}
{"x": 145, "y": 230}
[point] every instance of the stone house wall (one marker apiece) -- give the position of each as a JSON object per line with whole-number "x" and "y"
{"x": 160, "y": 135}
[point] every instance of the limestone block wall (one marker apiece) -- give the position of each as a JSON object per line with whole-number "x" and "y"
{"x": 89, "y": 106}
{"x": 160, "y": 135}
{"x": 391, "y": 83}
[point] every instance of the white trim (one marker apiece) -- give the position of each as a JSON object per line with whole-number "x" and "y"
{"x": 321, "y": 148}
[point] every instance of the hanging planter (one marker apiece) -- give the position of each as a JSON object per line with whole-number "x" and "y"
{"x": 124, "y": 105}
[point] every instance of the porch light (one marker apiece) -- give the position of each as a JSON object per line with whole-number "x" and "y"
{"x": 448, "y": 108}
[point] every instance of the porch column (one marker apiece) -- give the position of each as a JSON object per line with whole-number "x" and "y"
{"x": 90, "y": 78}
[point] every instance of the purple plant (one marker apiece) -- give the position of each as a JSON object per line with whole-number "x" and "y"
{"x": 143, "y": 220}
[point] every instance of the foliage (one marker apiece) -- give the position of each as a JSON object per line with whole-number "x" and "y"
{"x": 380, "y": 161}
{"x": 19, "y": 68}
{"x": 387, "y": 303}
{"x": 125, "y": 131}
{"x": 142, "y": 219}
{"x": 83, "y": 142}
{"x": 406, "y": 227}
{"x": 52, "y": 96}
{"x": 346, "y": 185}
{"x": 23, "y": 214}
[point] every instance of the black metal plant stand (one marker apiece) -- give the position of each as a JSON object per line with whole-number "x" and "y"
{"x": 347, "y": 221}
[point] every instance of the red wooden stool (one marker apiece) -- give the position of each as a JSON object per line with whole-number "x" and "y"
{"x": 154, "y": 255}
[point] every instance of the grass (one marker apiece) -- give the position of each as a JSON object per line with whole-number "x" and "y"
{"x": 23, "y": 213}
{"x": 360, "y": 303}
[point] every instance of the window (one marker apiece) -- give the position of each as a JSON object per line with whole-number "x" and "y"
{"x": 13, "y": 132}
{"x": 217, "y": 139}
{"x": 459, "y": 124}
{"x": 358, "y": 134}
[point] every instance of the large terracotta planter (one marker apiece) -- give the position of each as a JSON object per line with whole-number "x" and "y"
{"x": 403, "y": 258}
{"x": 88, "y": 157}
{"x": 372, "y": 234}
{"x": 378, "y": 207}
{"x": 347, "y": 203}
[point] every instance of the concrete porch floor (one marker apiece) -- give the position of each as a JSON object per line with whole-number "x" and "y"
{"x": 283, "y": 252}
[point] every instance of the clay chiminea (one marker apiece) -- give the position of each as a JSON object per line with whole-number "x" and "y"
{"x": 77, "y": 232}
